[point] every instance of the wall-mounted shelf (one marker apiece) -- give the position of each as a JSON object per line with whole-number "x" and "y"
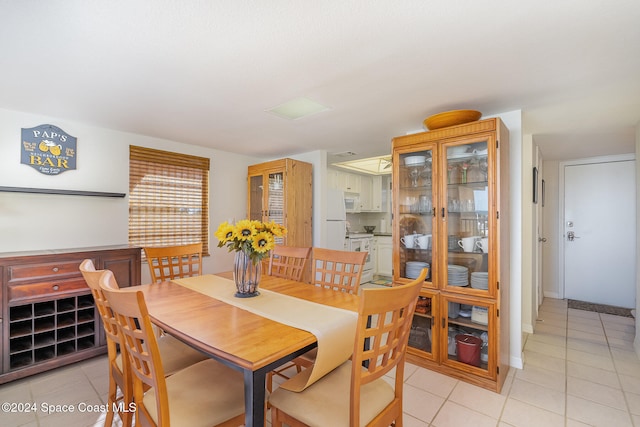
{"x": 65, "y": 192}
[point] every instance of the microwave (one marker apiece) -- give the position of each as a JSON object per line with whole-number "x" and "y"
{"x": 352, "y": 203}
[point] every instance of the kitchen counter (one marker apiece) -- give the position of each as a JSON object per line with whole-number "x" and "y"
{"x": 358, "y": 235}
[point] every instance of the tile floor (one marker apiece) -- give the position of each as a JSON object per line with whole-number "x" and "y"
{"x": 580, "y": 370}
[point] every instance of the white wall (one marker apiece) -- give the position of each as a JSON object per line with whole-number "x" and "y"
{"x": 551, "y": 223}
{"x": 39, "y": 221}
{"x": 637, "y": 340}
{"x": 513, "y": 121}
{"x": 529, "y": 160}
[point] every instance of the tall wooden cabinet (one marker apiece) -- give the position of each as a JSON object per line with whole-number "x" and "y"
{"x": 49, "y": 318}
{"x": 282, "y": 191}
{"x": 451, "y": 213}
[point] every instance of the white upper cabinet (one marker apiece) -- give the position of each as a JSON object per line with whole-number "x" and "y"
{"x": 371, "y": 194}
{"x": 344, "y": 181}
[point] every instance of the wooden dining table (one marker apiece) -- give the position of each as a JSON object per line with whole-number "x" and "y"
{"x": 236, "y": 337}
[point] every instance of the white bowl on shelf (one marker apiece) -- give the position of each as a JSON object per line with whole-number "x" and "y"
{"x": 458, "y": 150}
{"x": 414, "y": 160}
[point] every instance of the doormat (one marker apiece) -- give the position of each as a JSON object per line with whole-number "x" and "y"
{"x": 385, "y": 282}
{"x": 599, "y": 308}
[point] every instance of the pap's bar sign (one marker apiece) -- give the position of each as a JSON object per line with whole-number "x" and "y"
{"x": 48, "y": 149}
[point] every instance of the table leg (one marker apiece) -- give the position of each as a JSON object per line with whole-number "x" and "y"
{"x": 254, "y": 397}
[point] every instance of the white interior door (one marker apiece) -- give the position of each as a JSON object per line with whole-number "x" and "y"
{"x": 599, "y": 233}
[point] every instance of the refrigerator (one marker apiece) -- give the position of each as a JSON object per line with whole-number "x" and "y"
{"x": 336, "y": 220}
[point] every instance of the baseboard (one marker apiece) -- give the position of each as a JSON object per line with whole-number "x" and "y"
{"x": 517, "y": 362}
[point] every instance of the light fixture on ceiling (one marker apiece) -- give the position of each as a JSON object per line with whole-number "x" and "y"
{"x": 297, "y": 108}
{"x": 380, "y": 165}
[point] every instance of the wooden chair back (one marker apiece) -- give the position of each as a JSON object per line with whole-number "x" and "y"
{"x": 120, "y": 376}
{"x": 174, "y": 262}
{"x": 337, "y": 270}
{"x": 385, "y": 316}
{"x": 92, "y": 277}
{"x": 288, "y": 262}
{"x": 140, "y": 346}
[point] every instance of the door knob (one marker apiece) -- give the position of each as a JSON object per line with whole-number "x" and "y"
{"x": 542, "y": 239}
{"x": 571, "y": 236}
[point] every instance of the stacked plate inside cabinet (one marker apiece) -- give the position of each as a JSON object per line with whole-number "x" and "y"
{"x": 458, "y": 275}
{"x": 413, "y": 268}
{"x": 480, "y": 280}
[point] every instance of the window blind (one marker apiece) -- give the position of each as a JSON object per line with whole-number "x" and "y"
{"x": 168, "y": 198}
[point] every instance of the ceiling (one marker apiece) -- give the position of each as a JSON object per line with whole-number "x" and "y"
{"x": 204, "y": 71}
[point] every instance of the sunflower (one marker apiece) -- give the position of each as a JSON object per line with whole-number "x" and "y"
{"x": 225, "y": 233}
{"x": 252, "y": 237}
{"x": 277, "y": 229}
{"x": 263, "y": 242}
{"x": 245, "y": 229}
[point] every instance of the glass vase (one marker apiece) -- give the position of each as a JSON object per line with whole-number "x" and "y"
{"x": 246, "y": 274}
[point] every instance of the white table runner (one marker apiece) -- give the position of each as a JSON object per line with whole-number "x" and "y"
{"x": 334, "y": 328}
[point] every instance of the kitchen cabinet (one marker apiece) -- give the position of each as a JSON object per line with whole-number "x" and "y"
{"x": 350, "y": 182}
{"x": 49, "y": 318}
{"x": 385, "y": 194}
{"x": 282, "y": 191}
{"x": 384, "y": 256}
{"x": 371, "y": 193}
{"x": 450, "y": 213}
{"x": 344, "y": 181}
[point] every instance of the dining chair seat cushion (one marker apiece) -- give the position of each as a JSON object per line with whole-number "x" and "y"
{"x": 205, "y": 394}
{"x": 175, "y": 355}
{"x": 326, "y": 402}
{"x": 119, "y": 361}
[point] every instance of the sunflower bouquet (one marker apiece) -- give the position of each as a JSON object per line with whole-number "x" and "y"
{"x": 254, "y": 238}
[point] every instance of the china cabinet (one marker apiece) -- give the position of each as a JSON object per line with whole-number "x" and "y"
{"x": 48, "y": 315}
{"x": 282, "y": 191}
{"x": 450, "y": 214}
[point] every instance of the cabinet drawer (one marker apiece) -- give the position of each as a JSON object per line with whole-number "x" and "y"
{"x": 51, "y": 289}
{"x": 52, "y": 270}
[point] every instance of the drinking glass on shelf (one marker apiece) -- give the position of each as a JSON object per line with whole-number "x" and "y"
{"x": 414, "y": 174}
{"x": 425, "y": 174}
{"x": 484, "y": 167}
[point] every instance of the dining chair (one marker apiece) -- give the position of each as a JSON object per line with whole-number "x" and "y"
{"x": 175, "y": 354}
{"x": 288, "y": 262}
{"x": 332, "y": 269}
{"x": 204, "y": 394}
{"x": 174, "y": 262}
{"x": 337, "y": 270}
{"x": 355, "y": 393}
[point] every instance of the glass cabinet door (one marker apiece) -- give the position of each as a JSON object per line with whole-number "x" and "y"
{"x": 256, "y": 197}
{"x": 414, "y": 213}
{"x": 423, "y": 333}
{"x": 466, "y": 333}
{"x": 267, "y": 204}
{"x": 466, "y": 200}
{"x": 275, "y": 198}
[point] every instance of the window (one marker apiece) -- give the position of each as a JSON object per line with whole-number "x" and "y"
{"x": 168, "y": 198}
